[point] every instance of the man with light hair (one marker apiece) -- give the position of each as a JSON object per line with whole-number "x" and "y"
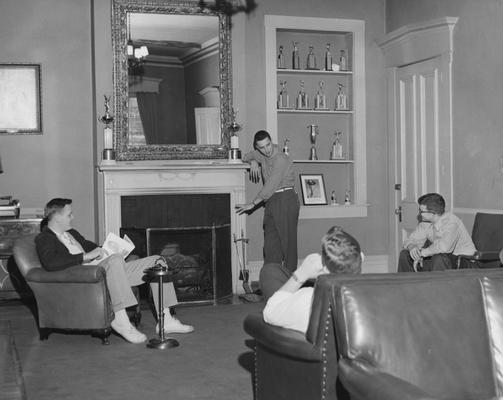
{"x": 290, "y": 305}
{"x": 59, "y": 246}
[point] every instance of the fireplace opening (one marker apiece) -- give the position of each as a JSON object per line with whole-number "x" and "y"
{"x": 192, "y": 233}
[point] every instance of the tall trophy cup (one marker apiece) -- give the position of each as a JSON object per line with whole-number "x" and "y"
{"x": 108, "y": 155}
{"x": 313, "y": 132}
{"x": 234, "y": 128}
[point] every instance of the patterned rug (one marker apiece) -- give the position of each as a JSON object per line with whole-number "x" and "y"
{"x": 11, "y": 377}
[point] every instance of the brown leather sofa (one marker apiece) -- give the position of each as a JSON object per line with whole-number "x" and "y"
{"x": 436, "y": 335}
{"x": 74, "y": 299}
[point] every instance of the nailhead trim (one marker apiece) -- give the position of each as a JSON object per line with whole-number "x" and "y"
{"x": 324, "y": 356}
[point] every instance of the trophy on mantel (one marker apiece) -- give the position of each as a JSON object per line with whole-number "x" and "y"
{"x": 108, "y": 155}
{"x": 286, "y": 149}
{"x": 313, "y": 132}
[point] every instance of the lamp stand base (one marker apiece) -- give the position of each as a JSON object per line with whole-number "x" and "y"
{"x": 161, "y": 344}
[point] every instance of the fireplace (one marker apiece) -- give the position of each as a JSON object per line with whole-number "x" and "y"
{"x": 126, "y": 184}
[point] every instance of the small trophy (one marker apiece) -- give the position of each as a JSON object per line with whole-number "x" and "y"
{"x": 336, "y": 153}
{"x": 320, "y": 101}
{"x": 234, "y": 128}
{"x": 343, "y": 61}
{"x": 333, "y": 199}
{"x": 108, "y": 155}
{"x": 313, "y": 132}
{"x": 283, "y": 99}
{"x": 295, "y": 56}
{"x": 328, "y": 58}
{"x": 286, "y": 150}
{"x": 347, "y": 200}
{"x": 311, "y": 59}
{"x": 341, "y": 99}
{"x": 302, "y": 100}
{"x": 281, "y": 59}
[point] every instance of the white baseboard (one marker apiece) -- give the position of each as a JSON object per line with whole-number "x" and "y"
{"x": 371, "y": 264}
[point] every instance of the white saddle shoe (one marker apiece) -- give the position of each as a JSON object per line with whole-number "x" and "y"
{"x": 128, "y": 332}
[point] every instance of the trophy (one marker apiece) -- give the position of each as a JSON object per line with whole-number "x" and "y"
{"x": 347, "y": 200}
{"x": 286, "y": 150}
{"x": 295, "y": 56}
{"x": 328, "y": 58}
{"x": 320, "y": 101}
{"x": 313, "y": 132}
{"x": 281, "y": 59}
{"x": 234, "y": 128}
{"x": 283, "y": 99}
{"x": 302, "y": 100}
{"x": 343, "y": 61}
{"x": 108, "y": 155}
{"x": 341, "y": 99}
{"x": 336, "y": 153}
{"x": 333, "y": 199}
{"x": 311, "y": 59}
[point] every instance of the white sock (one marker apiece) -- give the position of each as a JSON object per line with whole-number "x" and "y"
{"x": 121, "y": 317}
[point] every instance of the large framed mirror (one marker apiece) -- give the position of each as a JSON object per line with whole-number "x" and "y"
{"x": 172, "y": 80}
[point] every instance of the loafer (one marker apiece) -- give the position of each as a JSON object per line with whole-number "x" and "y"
{"x": 173, "y": 325}
{"x": 129, "y": 332}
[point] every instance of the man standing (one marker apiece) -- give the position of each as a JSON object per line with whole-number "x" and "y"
{"x": 439, "y": 237}
{"x": 59, "y": 247}
{"x": 281, "y": 201}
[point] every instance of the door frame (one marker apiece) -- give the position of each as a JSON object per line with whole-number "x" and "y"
{"x": 408, "y": 45}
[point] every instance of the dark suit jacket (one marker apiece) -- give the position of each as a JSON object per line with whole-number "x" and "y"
{"x": 54, "y": 255}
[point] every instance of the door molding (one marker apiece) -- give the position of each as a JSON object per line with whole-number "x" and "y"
{"x": 408, "y": 45}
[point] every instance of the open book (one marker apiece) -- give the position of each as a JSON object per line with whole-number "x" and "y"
{"x": 115, "y": 244}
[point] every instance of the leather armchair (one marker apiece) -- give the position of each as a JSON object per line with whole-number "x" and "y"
{"x": 74, "y": 299}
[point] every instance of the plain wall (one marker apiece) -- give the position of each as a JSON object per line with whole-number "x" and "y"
{"x": 59, "y": 162}
{"x": 477, "y": 93}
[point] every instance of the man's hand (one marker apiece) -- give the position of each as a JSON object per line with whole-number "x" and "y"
{"x": 415, "y": 253}
{"x": 97, "y": 253}
{"x": 242, "y": 208}
{"x": 254, "y": 171}
{"x": 310, "y": 268}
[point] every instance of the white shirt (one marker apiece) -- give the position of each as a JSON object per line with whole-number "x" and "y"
{"x": 290, "y": 310}
{"x": 447, "y": 235}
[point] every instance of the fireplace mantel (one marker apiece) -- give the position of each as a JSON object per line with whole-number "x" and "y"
{"x": 175, "y": 177}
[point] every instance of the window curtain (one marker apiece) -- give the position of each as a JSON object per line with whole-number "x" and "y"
{"x": 147, "y": 106}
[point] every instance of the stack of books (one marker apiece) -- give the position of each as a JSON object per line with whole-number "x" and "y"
{"x": 9, "y": 208}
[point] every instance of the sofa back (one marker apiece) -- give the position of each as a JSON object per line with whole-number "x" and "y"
{"x": 439, "y": 331}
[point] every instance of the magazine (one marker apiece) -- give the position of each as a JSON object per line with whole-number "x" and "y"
{"x": 114, "y": 244}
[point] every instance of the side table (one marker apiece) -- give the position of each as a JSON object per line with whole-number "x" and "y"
{"x": 12, "y": 285}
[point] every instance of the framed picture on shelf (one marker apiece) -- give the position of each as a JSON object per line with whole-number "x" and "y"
{"x": 313, "y": 189}
{"x": 20, "y": 99}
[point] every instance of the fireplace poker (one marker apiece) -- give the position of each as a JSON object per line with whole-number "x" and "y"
{"x": 244, "y": 273}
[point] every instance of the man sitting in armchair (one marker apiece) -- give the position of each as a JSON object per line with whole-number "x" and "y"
{"x": 290, "y": 305}
{"x": 59, "y": 247}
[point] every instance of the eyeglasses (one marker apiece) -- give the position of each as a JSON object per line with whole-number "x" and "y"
{"x": 426, "y": 212}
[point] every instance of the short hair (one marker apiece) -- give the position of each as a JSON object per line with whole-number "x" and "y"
{"x": 54, "y": 206}
{"x": 260, "y": 135}
{"x": 341, "y": 252}
{"x": 433, "y": 202}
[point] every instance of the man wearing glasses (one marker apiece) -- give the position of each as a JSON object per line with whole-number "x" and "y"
{"x": 438, "y": 238}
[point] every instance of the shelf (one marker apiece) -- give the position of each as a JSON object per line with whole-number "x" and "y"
{"x": 341, "y": 161}
{"x": 329, "y": 211}
{"x": 312, "y": 71}
{"x": 310, "y": 111}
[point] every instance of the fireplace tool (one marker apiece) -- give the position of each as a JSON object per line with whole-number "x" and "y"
{"x": 244, "y": 273}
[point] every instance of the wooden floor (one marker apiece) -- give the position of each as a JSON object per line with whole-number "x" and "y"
{"x": 11, "y": 377}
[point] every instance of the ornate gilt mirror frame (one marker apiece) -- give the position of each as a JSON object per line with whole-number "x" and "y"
{"x": 127, "y": 152}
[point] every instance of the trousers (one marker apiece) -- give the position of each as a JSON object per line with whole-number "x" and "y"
{"x": 281, "y": 217}
{"x": 121, "y": 275}
{"x": 437, "y": 262}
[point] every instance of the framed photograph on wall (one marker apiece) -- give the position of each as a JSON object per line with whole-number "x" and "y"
{"x": 20, "y": 103}
{"x": 313, "y": 189}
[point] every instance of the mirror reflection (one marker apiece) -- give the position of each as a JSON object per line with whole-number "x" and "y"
{"x": 173, "y": 79}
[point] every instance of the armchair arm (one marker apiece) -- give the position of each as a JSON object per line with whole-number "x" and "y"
{"x": 365, "y": 382}
{"x": 75, "y": 274}
{"x": 482, "y": 256}
{"x": 281, "y": 340}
